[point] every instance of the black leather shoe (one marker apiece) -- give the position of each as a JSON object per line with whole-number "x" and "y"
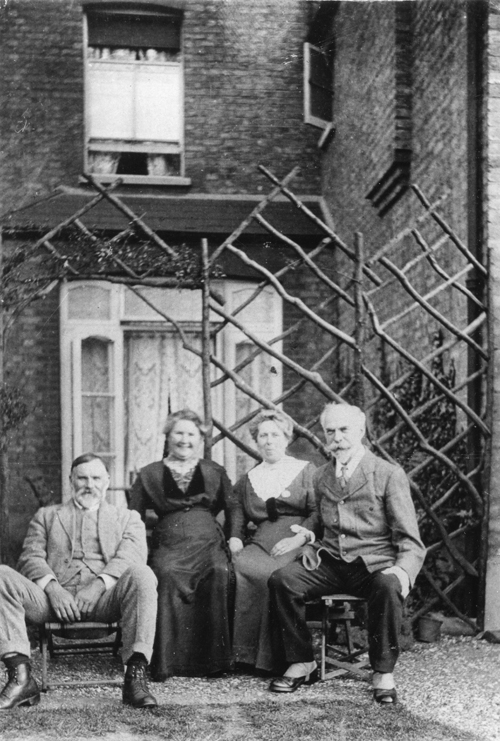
{"x": 135, "y": 688}
{"x": 385, "y": 697}
{"x": 290, "y": 684}
{"x": 21, "y": 688}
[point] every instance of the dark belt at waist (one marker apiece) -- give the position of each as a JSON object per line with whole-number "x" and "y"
{"x": 187, "y": 508}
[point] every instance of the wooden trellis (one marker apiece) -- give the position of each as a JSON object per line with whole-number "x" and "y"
{"x": 352, "y": 319}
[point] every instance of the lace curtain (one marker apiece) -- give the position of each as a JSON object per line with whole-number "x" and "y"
{"x": 161, "y": 377}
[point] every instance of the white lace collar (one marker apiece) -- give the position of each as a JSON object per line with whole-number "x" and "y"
{"x": 272, "y": 479}
{"x": 181, "y": 466}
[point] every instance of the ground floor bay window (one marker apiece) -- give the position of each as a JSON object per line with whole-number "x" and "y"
{"x": 123, "y": 369}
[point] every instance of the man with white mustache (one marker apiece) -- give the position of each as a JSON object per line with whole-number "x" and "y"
{"x": 370, "y": 548}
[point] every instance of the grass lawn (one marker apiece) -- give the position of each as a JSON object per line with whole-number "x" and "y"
{"x": 281, "y": 719}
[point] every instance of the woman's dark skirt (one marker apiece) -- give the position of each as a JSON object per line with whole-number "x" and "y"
{"x": 192, "y": 564}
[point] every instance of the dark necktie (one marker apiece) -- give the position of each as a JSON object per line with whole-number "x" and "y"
{"x": 342, "y": 477}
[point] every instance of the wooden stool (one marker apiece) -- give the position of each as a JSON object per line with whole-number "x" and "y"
{"x": 87, "y": 644}
{"x": 338, "y": 608}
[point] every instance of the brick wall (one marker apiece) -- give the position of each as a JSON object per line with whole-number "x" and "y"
{"x": 32, "y": 366}
{"x": 243, "y": 96}
{"x": 366, "y": 101}
{"x": 42, "y": 98}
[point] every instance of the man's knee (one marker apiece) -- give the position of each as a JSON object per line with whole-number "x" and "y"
{"x": 387, "y": 587}
{"x": 284, "y": 580}
{"x": 276, "y": 581}
{"x": 140, "y": 576}
{"x": 8, "y": 575}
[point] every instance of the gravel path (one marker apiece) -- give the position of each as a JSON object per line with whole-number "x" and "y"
{"x": 455, "y": 681}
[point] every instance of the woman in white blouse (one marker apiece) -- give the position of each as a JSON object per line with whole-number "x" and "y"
{"x": 277, "y": 497}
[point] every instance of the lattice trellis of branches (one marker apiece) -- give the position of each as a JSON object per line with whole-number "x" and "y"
{"x": 426, "y": 407}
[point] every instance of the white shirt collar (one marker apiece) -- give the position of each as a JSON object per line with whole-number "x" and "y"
{"x": 351, "y": 464}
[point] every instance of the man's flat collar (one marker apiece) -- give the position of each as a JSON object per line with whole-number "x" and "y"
{"x": 351, "y": 464}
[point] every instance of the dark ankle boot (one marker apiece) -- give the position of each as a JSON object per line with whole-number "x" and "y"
{"x": 135, "y": 688}
{"x": 21, "y": 688}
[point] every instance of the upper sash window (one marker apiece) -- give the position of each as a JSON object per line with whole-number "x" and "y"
{"x": 134, "y": 93}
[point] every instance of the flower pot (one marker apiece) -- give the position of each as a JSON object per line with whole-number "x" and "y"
{"x": 429, "y": 629}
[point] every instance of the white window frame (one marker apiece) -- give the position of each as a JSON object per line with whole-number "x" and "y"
{"x": 110, "y": 145}
{"x": 265, "y": 324}
{"x": 309, "y": 118}
{"x": 72, "y": 334}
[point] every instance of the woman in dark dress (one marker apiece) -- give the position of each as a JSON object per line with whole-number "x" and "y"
{"x": 188, "y": 553}
{"x": 278, "y": 497}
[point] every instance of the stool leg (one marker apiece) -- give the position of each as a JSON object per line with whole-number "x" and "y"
{"x": 118, "y": 641}
{"x": 324, "y": 629}
{"x": 350, "y": 644}
{"x": 43, "y": 646}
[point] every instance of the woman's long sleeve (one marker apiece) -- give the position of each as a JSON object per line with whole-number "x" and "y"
{"x": 237, "y": 517}
{"x": 138, "y": 498}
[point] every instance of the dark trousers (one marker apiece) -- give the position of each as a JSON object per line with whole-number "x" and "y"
{"x": 292, "y": 586}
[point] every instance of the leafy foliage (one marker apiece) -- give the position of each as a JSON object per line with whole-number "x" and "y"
{"x": 14, "y": 412}
{"x": 436, "y": 417}
{"x": 28, "y": 269}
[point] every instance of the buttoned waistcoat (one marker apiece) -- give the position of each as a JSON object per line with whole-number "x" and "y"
{"x": 372, "y": 518}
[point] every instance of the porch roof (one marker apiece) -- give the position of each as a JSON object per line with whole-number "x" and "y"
{"x": 192, "y": 213}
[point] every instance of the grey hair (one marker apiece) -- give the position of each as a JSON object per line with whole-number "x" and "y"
{"x": 282, "y": 420}
{"x": 86, "y": 458}
{"x": 356, "y": 412}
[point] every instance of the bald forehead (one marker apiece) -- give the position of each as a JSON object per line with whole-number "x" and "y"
{"x": 95, "y": 467}
{"x": 339, "y": 416}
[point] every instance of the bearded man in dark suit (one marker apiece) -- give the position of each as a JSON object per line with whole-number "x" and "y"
{"x": 370, "y": 548}
{"x": 82, "y": 560}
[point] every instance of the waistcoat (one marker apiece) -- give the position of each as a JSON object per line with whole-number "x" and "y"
{"x": 330, "y": 503}
{"x": 87, "y": 561}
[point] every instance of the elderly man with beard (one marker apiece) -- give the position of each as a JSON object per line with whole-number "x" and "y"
{"x": 83, "y": 560}
{"x": 370, "y": 547}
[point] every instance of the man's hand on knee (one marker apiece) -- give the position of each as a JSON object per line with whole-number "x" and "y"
{"x": 88, "y": 597}
{"x": 403, "y": 577}
{"x": 62, "y": 602}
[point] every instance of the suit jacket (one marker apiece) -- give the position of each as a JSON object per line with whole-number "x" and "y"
{"x": 373, "y": 518}
{"x": 148, "y": 490}
{"x": 49, "y": 543}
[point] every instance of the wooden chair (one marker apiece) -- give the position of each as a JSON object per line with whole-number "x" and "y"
{"x": 80, "y": 638}
{"x": 346, "y": 659}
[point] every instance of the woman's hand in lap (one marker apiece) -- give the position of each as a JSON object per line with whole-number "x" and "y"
{"x": 288, "y": 544}
{"x": 235, "y": 545}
